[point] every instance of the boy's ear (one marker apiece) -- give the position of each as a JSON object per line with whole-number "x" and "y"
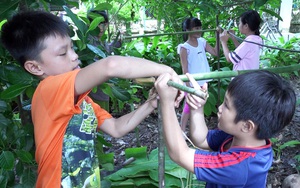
{"x": 33, "y": 67}
{"x": 248, "y": 126}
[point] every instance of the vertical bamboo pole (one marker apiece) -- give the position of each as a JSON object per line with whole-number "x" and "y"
{"x": 161, "y": 150}
{"x": 218, "y": 58}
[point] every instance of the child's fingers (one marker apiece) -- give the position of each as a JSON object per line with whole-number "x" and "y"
{"x": 193, "y": 101}
{"x": 205, "y": 86}
{"x": 193, "y": 81}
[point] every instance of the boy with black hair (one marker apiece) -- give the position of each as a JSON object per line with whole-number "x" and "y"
{"x": 65, "y": 119}
{"x": 238, "y": 154}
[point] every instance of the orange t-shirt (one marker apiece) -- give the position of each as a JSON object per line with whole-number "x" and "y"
{"x": 53, "y": 108}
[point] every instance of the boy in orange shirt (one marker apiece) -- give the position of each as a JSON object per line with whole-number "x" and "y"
{"x": 65, "y": 119}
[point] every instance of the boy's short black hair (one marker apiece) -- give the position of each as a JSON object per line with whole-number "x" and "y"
{"x": 23, "y": 35}
{"x": 264, "y": 98}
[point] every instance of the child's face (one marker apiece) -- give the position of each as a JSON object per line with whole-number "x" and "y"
{"x": 197, "y": 35}
{"x": 242, "y": 27}
{"x": 226, "y": 116}
{"x": 58, "y": 57}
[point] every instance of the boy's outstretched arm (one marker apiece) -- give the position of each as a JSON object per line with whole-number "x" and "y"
{"x": 198, "y": 128}
{"x": 119, "y": 67}
{"x": 118, "y": 127}
{"x": 175, "y": 142}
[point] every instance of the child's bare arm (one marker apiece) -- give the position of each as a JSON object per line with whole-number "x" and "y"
{"x": 176, "y": 145}
{"x": 118, "y": 127}
{"x": 198, "y": 128}
{"x": 116, "y": 66}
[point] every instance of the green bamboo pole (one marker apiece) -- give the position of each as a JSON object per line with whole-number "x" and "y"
{"x": 161, "y": 150}
{"x": 161, "y": 34}
{"x": 223, "y": 74}
{"x": 229, "y": 74}
{"x": 200, "y": 93}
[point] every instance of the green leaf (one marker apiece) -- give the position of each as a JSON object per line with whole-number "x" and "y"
{"x": 4, "y": 121}
{"x": 120, "y": 93}
{"x": 259, "y": 3}
{"x": 102, "y": 140}
{"x": 56, "y": 2}
{"x": 78, "y": 23}
{"x": 28, "y": 178}
{"x": 13, "y": 91}
{"x": 3, "y": 106}
{"x": 7, "y": 160}
{"x": 24, "y": 156}
{"x": 96, "y": 50}
{"x": 140, "y": 152}
{"x": 103, "y": 6}
{"x": 19, "y": 77}
{"x": 131, "y": 45}
{"x": 106, "y": 159}
{"x": 3, "y": 178}
{"x": 95, "y": 23}
{"x": 291, "y": 143}
{"x": 7, "y": 7}
{"x": 141, "y": 166}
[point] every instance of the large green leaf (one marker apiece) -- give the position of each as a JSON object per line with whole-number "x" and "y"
{"x": 259, "y": 3}
{"x": 20, "y": 77}
{"x": 103, "y": 6}
{"x": 96, "y": 50}
{"x": 56, "y": 2}
{"x": 96, "y": 21}
{"x": 3, "y": 178}
{"x": 4, "y": 121}
{"x": 7, "y": 7}
{"x": 7, "y": 160}
{"x": 120, "y": 94}
{"x": 28, "y": 178}
{"x": 142, "y": 165}
{"x": 140, "y": 152}
{"x": 24, "y": 156}
{"x": 78, "y": 23}
{"x": 3, "y": 106}
{"x": 14, "y": 91}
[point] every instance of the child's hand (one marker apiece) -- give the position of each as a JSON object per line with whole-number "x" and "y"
{"x": 224, "y": 36}
{"x": 168, "y": 93}
{"x": 194, "y": 101}
{"x": 152, "y": 98}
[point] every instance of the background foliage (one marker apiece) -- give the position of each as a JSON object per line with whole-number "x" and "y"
{"x": 17, "y": 164}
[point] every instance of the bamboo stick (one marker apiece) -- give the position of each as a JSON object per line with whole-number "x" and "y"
{"x": 229, "y": 74}
{"x": 161, "y": 34}
{"x": 214, "y": 75}
{"x": 200, "y": 93}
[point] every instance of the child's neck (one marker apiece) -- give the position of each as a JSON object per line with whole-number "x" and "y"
{"x": 193, "y": 41}
{"x": 249, "y": 33}
{"x": 249, "y": 142}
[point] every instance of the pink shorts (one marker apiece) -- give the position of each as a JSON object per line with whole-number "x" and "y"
{"x": 186, "y": 108}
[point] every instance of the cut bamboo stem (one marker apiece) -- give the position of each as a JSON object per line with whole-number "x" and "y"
{"x": 200, "y": 93}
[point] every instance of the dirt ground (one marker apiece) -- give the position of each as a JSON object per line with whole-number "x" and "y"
{"x": 282, "y": 166}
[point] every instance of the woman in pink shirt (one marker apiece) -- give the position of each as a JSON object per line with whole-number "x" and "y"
{"x": 246, "y": 54}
